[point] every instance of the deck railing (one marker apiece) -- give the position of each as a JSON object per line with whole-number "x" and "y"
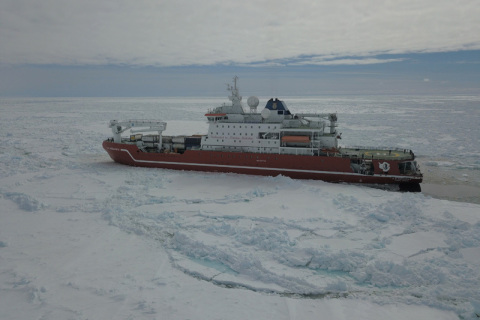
{"x": 358, "y": 148}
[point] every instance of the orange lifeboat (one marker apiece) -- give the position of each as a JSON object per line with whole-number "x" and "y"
{"x": 296, "y": 139}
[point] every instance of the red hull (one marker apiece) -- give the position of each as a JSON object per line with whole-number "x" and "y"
{"x": 326, "y": 168}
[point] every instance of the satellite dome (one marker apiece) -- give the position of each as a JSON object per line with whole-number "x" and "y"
{"x": 253, "y": 102}
{"x": 265, "y": 113}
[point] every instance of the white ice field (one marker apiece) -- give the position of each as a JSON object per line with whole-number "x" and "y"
{"x": 82, "y": 237}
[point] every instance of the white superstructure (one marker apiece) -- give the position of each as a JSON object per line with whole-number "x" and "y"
{"x": 273, "y": 130}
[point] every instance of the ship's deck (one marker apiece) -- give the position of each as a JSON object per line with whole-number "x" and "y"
{"x": 351, "y": 152}
{"x": 384, "y": 154}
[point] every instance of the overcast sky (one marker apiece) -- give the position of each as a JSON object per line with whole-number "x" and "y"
{"x": 188, "y": 47}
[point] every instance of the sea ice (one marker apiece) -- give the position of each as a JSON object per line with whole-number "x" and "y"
{"x": 83, "y": 237}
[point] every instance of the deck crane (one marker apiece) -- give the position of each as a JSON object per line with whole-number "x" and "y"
{"x": 118, "y": 127}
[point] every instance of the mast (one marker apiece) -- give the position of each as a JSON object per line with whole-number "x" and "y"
{"x": 235, "y": 97}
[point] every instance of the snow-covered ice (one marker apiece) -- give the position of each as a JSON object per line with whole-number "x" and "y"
{"x": 84, "y": 238}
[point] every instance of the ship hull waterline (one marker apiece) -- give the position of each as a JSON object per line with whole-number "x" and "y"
{"x": 325, "y": 168}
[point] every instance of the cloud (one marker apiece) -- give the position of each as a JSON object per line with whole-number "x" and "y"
{"x": 356, "y": 61}
{"x": 249, "y": 32}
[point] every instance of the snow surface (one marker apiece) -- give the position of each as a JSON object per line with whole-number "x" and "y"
{"x": 84, "y": 238}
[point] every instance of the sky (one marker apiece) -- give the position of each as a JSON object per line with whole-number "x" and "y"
{"x": 188, "y": 48}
